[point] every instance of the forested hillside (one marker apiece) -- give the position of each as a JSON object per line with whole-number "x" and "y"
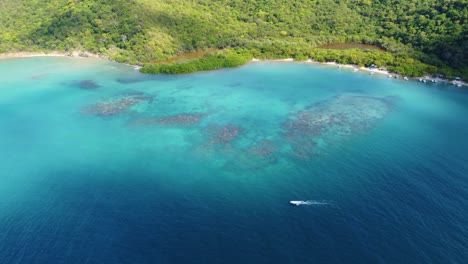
{"x": 140, "y": 31}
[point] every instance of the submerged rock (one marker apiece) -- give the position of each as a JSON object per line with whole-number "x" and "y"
{"x": 263, "y": 148}
{"x": 235, "y": 150}
{"x": 86, "y": 84}
{"x": 116, "y": 106}
{"x": 219, "y": 139}
{"x": 259, "y": 156}
{"x": 223, "y": 135}
{"x": 330, "y": 121}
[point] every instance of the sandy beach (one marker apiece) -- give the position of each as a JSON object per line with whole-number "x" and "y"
{"x": 80, "y": 54}
{"x": 428, "y": 79}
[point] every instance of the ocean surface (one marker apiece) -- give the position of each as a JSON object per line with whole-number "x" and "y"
{"x": 101, "y": 164}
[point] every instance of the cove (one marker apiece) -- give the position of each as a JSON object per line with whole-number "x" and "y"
{"x": 102, "y": 164}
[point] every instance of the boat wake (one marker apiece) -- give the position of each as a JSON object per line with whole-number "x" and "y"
{"x": 313, "y": 203}
{"x": 318, "y": 203}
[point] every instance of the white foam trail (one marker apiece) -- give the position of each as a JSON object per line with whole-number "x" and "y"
{"x": 316, "y": 202}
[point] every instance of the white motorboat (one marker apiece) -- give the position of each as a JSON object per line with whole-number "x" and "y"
{"x": 297, "y": 202}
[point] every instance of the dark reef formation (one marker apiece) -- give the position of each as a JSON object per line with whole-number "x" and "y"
{"x": 116, "y": 106}
{"x": 224, "y": 135}
{"x": 330, "y": 121}
{"x": 86, "y": 84}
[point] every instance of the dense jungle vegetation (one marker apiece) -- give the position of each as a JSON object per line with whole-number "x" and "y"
{"x": 416, "y": 33}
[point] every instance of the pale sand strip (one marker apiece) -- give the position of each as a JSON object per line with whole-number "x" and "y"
{"x": 49, "y": 54}
{"x": 81, "y": 54}
{"x": 378, "y": 71}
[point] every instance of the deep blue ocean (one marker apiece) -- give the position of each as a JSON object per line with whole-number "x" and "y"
{"x": 102, "y": 164}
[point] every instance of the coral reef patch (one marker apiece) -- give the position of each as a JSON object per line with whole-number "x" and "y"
{"x": 116, "y": 106}
{"x": 332, "y": 120}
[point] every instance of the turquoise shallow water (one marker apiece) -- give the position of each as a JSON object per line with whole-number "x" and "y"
{"x": 100, "y": 164}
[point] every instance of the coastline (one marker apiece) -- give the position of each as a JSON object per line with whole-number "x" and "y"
{"x": 348, "y": 66}
{"x": 75, "y": 54}
{"x": 81, "y": 54}
{"x": 426, "y": 79}
{"x": 84, "y": 54}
